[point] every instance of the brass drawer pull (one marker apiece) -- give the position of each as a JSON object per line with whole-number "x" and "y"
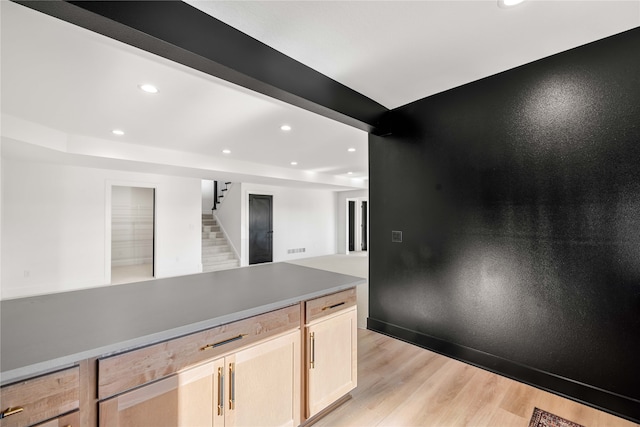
{"x": 218, "y": 344}
{"x": 329, "y": 307}
{"x": 11, "y": 411}
{"x": 220, "y": 391}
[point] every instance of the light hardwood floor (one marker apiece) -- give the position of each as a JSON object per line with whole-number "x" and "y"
{"x": 403, "y": 385}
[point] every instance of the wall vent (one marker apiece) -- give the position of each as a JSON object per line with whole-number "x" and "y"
{"x": 296, "y": 251}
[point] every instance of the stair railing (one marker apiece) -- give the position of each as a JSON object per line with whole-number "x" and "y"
{"x": 219, "y": 193}
{"x": 215, "y": 196}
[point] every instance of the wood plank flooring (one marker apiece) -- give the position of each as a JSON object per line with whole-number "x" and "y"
{"x": 403, "y": 385}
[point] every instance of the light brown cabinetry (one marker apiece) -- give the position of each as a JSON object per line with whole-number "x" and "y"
{"x": 265, "y": 370}
{"x": 125, "y": 371}
{"x": 69, "y": 420}
{"x": 261, "y": 385}
{"x": 331, "y": 335}
{"x": 238, "y": 384}
{"x": 184, "y": 399}
{"x": 35, "y": 400}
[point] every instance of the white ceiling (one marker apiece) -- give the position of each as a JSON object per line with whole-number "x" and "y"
{"x": 396, "y": 52}
{"x": 75, "y": 86}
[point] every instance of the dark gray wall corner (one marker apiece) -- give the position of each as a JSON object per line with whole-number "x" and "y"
{"x": 519, "y": 200}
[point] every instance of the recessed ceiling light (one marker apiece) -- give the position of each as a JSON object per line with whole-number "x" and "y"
{"x": 285, "y": 128}
{"x": 149, "y": 88}
{"x": 351, "y": 150}
{"x": 225, "y": 151}
{"x": 508, "y": 3}
{"x": 294, "y": 163}
{"x": 117, "y": 132}
{"x": 349, "y": 173}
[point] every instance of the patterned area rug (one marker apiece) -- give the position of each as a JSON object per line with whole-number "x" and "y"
{"x": 542, "y": 418}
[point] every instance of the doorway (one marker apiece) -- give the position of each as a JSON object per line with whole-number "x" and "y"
{"x": 260, "y": 228}
{"x": 352, "y": 225}
{"x": 132, "y": 234}
{"x": 357, "y": 225}
{"x": 363, "y": 226}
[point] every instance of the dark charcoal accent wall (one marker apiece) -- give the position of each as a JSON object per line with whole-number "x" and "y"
{"x": 519, "y": 201}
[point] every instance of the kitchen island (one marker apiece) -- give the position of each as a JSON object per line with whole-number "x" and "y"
{"x": 52, "y": 332}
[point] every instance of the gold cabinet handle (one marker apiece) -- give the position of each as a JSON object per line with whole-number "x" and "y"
{"x": 232, "y": 386}
{"x": 11, "y": 411}
{"x": 329, "y": 307}
{"x": 218, "y": 344}
{"x": 220, "y": 391}
{"x": 313, "y": 350}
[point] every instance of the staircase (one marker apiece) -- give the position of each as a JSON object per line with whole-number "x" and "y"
{"x": 216, "y": 252}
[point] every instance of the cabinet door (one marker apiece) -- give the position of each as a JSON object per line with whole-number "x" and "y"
{"x": 184, "y": 399}
{"x": 331, "y": 360}
{"x": 264, "y": 384}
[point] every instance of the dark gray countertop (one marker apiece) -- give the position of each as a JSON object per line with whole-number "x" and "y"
{"x": 43, "y": 333}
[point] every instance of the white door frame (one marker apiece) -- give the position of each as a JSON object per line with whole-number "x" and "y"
{"x": 357, "y": 223}
{"x": 109, "y": 184}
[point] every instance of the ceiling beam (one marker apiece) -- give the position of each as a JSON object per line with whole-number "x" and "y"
{"x": 184, "y": 34}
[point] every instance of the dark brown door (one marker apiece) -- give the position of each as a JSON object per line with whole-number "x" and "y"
{"x": 260, "y": 228}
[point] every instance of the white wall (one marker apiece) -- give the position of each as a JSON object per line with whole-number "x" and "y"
{"x": 342, "y": 216}
{"x": 301, "y": 219}
{"x": 229, "y": 215}
{"x": 207, "y": 196}
{"x": 56, "y": 226}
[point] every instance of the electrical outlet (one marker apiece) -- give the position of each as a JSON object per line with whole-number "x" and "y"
{"x": 396, "y": 236}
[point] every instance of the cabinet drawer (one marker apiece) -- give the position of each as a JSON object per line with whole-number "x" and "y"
{"x": 122, "y": 372}
{"x": 69, "y": 420}
{"x": 40, "y": 398}
{"x": 329, "y": 304}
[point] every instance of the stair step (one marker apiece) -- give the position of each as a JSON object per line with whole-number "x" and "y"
{"x": 216, "y": 253}
{"x": 213, "y": 242}
{"x": 221, "y": 256}
{"x": 214, "y": 249}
